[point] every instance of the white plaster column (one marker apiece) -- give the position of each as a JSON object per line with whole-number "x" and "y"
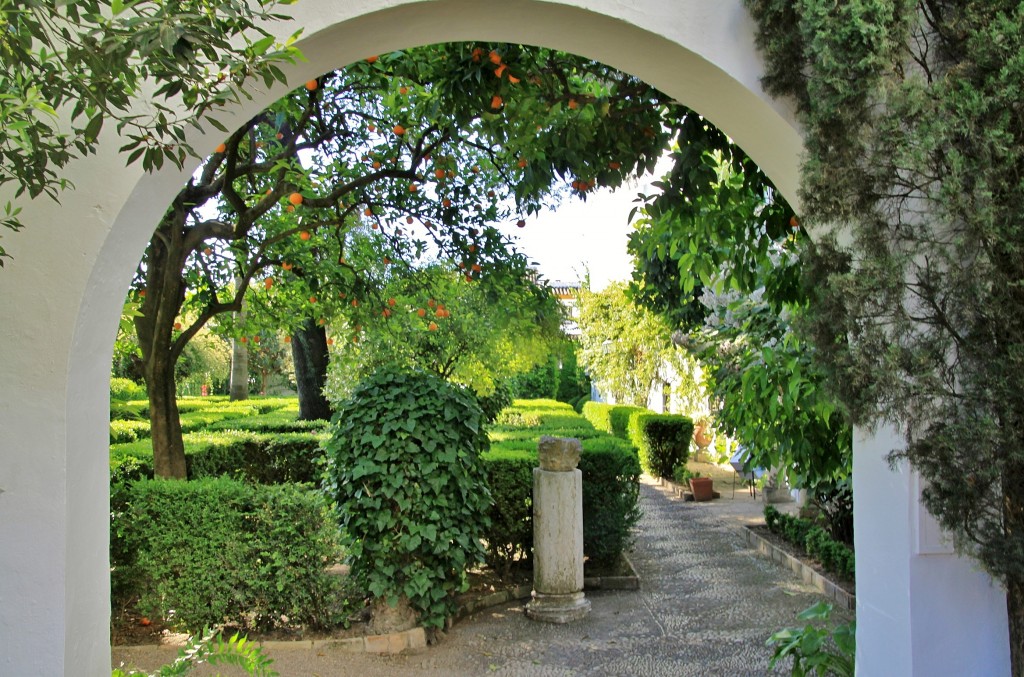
{"x": 558, "y": 534}
{"x": 922, "y": 610}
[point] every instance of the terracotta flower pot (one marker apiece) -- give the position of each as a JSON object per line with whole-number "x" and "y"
{"x": 702, "y": 488}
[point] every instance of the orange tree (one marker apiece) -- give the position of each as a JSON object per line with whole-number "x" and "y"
{"x": 427, "y": 148}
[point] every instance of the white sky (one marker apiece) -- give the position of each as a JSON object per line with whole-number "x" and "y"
{"x": 581, "y": 236}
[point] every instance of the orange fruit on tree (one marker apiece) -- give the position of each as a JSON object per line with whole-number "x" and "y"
{"x": 312, "y": 299}
{"x": 500, "y": 70}
{"x": 244, "y": 339}
{"x": 403, "y": 90}
{"x": 432, "y": 326}
{"x": 513, "y": 79}
{"x": 431, "y": 303}
{"x": 255, "y": 339}
{"x": 286, "y": 265}
{"x": 472, "y": 248}
{"x": 439, "y": 312}
{"x": 614, "y": 165}
{"x": 145, "y": 621}
{"x": 287, "y": 339}
{"x": 279, "y": 136}
{"x": 372, "y": 59}
{"x": 446, "y": 203}
{"x": 496, "y": 102}
{"x": 311, "y": 85}
{"x": 386, "y": 261}
{"x": 355, "y": 303}
{"x": 207, "y": 251}
{"x": 573, "y": 104}
{"x": 386, "y": 312}
{"x": 290, "y": 208}
{"x": 469, "y": 278}
{"x": 421, "y": 312}
{"x": 413, "y": 188}
{"x": 374, "y": 226}
{"x": 220, "y": 149}
{"x": 177, "y": 326}
{"x": 376, "y": 164}
{"x": 330, "y": 342}
{"x": 523, "y": 162}
{"x": 295, "y": 199}
{"x": 372, "y": 128}
{"x": 476, "y": 169}
{"x": 476, "y": 268}
{"x": 521, "y": 223}
{"x": 368, "y": 211}
{"x": 304, "y": 235}
{"x": 793, "y": 222}
{"x": 439, "y": 173}
{"x": 494, "y": 57}
{"x": 399, "y": 130}
{"x": 490, "y": 193}
{"x": 268, "y": 283}
{"x": 392, "y": 302}
{"x": 408, "y": 219}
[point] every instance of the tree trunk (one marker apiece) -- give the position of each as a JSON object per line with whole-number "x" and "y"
{"x": 1015, "y": 614}
{"x": 309, "y": 353}
{"x": 165, "y": 425}
{"x": 239, "y": 389}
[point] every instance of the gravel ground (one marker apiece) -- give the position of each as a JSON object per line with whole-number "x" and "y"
{"x": 706, "y": 606}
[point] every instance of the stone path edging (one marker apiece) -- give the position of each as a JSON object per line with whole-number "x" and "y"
{"x": 827, "y": 587}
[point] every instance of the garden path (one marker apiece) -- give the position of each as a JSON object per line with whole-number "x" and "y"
{"x": 706, "y": 606}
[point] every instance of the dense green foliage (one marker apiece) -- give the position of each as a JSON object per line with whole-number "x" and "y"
{"x": 912, "y": 175}
{"x": 215, "y": 551}
{"x": 91, "y": 61}
{"x": 610, "y": 470}
{"x": 816, "y": 650}
{"x": 662, "y": 440}
{"x": 623, "y": 346}
{"x": 406, "y": 474}
{"x": 611, "y": 418}
{"x": 815, "y": 540}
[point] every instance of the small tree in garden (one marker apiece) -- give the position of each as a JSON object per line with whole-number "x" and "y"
{"x": 405, "y": 470}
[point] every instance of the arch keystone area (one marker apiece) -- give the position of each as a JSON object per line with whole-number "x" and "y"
{"x": 61, "y": 297}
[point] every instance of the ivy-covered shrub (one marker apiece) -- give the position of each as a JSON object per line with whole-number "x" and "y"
{"x": 214, "y": 551}
{"x": 662, "y": 440}
{"x": 509, "y": 538}
{"x": 405, "y": 470}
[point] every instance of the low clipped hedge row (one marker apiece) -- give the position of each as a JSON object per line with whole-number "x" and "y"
{"x": 611, "y": 418}
{"x": 216, "y": 550}
{"x": 267, "y": 458}
{"x": 129, "y": 419}
{"x": 834, "y": 556}
{"x": 663, "y": 441}
{"x": 610, "y": 469}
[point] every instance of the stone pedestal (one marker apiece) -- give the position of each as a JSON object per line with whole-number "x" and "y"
{"x": 558, "y": 534}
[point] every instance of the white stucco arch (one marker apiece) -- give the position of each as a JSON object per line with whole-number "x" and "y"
{"x": 60, "y": 299}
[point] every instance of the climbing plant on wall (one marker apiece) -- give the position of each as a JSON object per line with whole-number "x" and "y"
{"x": 915, "y": 151}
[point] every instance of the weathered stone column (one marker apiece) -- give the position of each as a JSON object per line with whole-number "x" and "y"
{"x": 558, "y": 534}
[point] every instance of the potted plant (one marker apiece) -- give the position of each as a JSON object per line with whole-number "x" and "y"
{"x": 701, "y": 487}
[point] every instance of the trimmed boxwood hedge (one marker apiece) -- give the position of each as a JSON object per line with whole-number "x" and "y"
{"x": 610, "y": 471}
{"x": 216, "y": 550}
{"x": 663, "y": 441}
{"x": 611, "y": 418}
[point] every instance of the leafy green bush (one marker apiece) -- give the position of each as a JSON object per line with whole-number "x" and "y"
{"x": 599, "y": 414}
{"x": 619, "y": 418}
{"x": 492, "y": 404}
{"x": 404, "y": 467}
{"x": 816, "y": 650}
{"x": 263, "y": 458}
{"x": 128, "y": 411}
{"x": 833, "y": 555}
{"x": 663, "y": 441}
{"x": 122, "y": 431}
{"x": 610, "y": 474}
{"x": 509, "y": 537}
{"x": 214, "y": 551}
{"x": 124, "y": 389}
{"x": 211, "y": 648}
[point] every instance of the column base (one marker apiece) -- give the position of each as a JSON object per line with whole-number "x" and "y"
{"x": 558, "y": 608}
